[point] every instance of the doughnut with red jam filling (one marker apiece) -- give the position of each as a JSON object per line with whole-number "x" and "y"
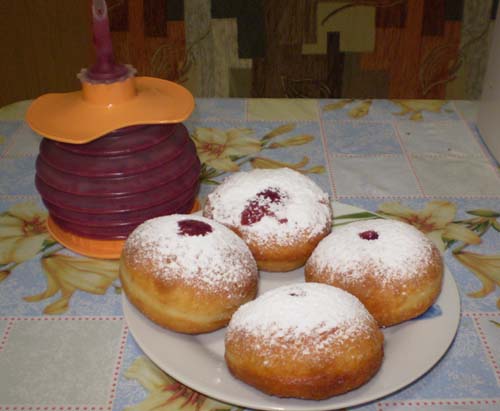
{"x": 187, "y": 273}
{"x": 280, "y": 214}
{"x": 393, "y": 268}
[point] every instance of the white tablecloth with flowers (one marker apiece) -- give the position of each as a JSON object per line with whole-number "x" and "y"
{"x": 64, "y": 344}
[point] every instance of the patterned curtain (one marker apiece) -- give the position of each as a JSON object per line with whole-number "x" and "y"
{"x": 431, "y": 49}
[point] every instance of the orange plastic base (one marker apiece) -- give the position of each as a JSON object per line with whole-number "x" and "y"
{"x": 91, "y": 247}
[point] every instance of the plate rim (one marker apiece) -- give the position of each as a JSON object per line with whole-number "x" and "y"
{"x": 309, "y": 405}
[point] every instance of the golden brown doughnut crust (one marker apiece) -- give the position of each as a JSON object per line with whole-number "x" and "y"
{"x": 336, "y": 369}
{"x": 275, "y": 257}
{"x": 183, "y": 283}
{"x": 390, "y": 303}
{"x": 281, "y": 258}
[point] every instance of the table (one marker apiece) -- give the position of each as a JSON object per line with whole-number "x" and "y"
{"x": 64, "y": 344}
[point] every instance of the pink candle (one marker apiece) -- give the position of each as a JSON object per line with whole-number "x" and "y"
{"x": 105, "y": 69}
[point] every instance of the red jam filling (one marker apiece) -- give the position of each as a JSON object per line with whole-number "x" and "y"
{"x": 260, "y": 207}
{"x": 369, "y": 235}
{"x": 270, "y": 194}
{"x": 193, "y": 228}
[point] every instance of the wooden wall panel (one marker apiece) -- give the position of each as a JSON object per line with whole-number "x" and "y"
{"x": 394, "y": 16}
{"x": 409, "y": 52}
{"x": 439, "y": 53}
{"x": 36, "y": 56}
{"x": 404, "y": 81}
{"x": 433, "y": 18}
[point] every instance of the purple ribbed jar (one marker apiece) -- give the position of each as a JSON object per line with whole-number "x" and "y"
{"x": 106, "y": 188}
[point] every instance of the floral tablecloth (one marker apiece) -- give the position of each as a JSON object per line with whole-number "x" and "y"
{"x": 64, "y": 344}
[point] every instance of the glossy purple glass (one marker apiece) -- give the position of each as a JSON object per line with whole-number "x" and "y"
{"x": 105, "y": 188}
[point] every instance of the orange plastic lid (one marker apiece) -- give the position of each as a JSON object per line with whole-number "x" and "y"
{"x": 91, "y": 247}
{"x": 82, "y": 116}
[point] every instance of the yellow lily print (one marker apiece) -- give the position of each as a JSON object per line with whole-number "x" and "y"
{"x": 263, "y": 162}
{"x": 293, "y": 141}
{"x": 216, "y": 147}
{"x": 285, "y": 128}
{"x": 358, "y": 111}
{"x": 435, "y": 220}
{"x": 166, "y": 394}
{"x": 221, "y": 151}
{"x": 338, "y": 105}
{"x": 484, "y": 218}
{"x": 486, "y": 268}
{"x": 361, "y": 110}
{"x": 23, "y": 234}
{"x": 68, "y": 274}
{"x": 415, "y": 107}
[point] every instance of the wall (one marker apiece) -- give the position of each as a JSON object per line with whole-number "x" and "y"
{"x": 44, "y": 44}
{"x": 258, "y": 48}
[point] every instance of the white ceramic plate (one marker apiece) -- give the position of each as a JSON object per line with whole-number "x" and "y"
{"x": 411, "y": 349}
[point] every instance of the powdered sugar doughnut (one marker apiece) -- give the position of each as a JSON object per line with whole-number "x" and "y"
{"x": 393, "y": 268}
{"x": 305, "y": 340}
{"x": 280, "y": 214}
{"x": 187, "y": 273}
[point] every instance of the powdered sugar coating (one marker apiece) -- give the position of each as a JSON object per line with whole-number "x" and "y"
{"x": 289, "y": 314}
{"x": 304, "y": 207}
{"x": 397, "y": 254}
{"x": 217, "y": 260}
